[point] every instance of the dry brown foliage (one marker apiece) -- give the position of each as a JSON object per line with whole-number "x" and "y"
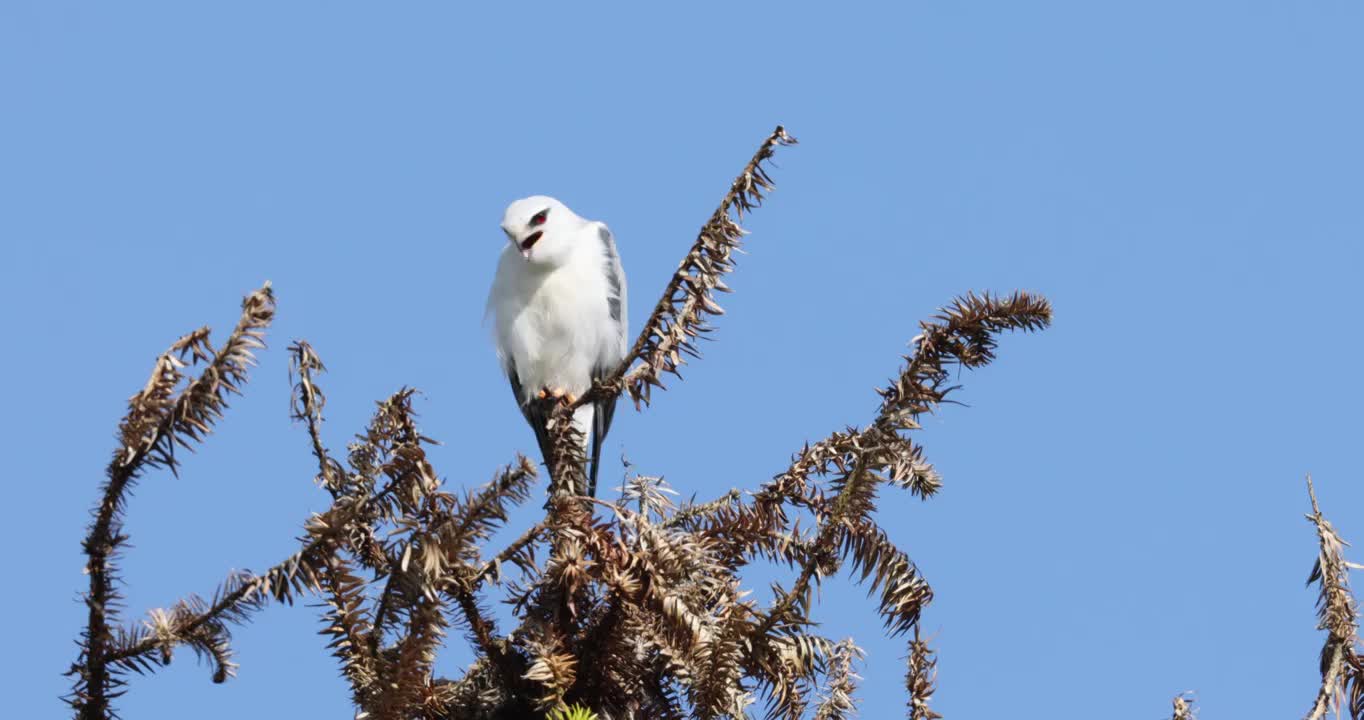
{"x": 1183, "y": 707}
{"x": 636, "y": 608}
{"x": 1342, "y": 667}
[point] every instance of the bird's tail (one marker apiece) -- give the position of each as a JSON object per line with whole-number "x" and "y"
{"x": 546, "y": 447}
{"x": 596, "y": 461}
{"x": 602, "y": 412}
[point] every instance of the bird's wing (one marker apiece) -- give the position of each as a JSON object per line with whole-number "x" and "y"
{"x": 603, "y": 410}
{"x": 535, "y": 415}
{"x": 615, "y": 292}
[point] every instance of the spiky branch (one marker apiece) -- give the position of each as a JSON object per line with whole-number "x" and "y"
{"x": 640, "y": 608}
{"x": 159, "y": 418}
{"x": 841, "y": 685}
{"x": 308, "y": 402}
{"x": 963, "y": 335}
{"x": 920, "y": 679}
{"x": 680, "y": 316}
{"x": 1182, "y": 707}
{"x": 1342, "y": 669}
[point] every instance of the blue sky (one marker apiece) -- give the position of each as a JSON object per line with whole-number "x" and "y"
{"x": 1122, "y": 517}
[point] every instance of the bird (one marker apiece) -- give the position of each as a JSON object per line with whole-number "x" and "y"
{"x": 558, "y": 305}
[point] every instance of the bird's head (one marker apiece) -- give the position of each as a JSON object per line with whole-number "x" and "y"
{"x": 541, "y": 228}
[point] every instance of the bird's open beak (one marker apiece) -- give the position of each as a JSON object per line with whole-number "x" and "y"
{"x": 530, "y": 242}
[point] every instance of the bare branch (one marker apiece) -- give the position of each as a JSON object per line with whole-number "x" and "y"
{"x": 963, "y": 334}
{"x": 492, "y": 568}
{"x": 408, "y": 685}
{"x": 1183, "y": 708}
{"x": 158, "y": 419}
{"x": 920, "y": 679}
{"x": 639, "y": 611}
{"x": 306, "y": 406}
{"x": 243, "y": 593}
{"x": 1342, "y": 671}
{"x": 326, "y": 532}
{"x": 679, "y": 317}
{"x": 841, "y": 683}
{"x": 349, "y": 629}
{"x": 567, "y": 460}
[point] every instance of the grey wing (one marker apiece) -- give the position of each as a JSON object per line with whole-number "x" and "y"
{"x": 535, "y": 415}
{"x": 604, "y": 410}
{"x": 615, "y": 279}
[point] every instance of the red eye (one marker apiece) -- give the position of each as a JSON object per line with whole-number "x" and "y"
{"x": 539, "y": 218}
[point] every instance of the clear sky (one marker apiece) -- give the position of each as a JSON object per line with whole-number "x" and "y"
{"x": 1123, "y": 511}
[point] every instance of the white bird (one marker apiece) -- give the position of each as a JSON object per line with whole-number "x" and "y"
{"x": 558, "y": 308}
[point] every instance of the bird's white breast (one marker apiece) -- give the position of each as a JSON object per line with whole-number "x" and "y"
{"x": 553, "y": 325}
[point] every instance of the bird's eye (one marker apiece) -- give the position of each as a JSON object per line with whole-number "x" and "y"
{"x": 539, "y": 218}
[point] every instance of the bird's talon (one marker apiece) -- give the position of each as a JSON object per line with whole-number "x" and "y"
{"x": 559, "y": 394}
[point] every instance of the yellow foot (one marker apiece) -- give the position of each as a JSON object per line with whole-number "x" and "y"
{"x": 559, "y": 394}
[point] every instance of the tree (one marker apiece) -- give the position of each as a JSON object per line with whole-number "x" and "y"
{"x": 639, "y": 609}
